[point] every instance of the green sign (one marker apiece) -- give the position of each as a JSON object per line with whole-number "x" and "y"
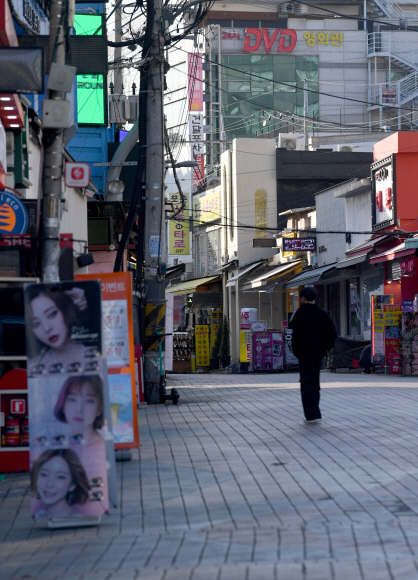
{"x": 87, "y": 24}
{"x": 91, "y": 100}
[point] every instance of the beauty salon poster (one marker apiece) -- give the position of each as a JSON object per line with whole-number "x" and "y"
{"x": 67, "y": 403}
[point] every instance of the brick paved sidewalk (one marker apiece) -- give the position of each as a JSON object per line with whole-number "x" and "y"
{"x": 232, "y": 485}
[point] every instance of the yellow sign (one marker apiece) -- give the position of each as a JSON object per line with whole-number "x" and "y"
{"x": 207, "y": 208}
{"x": 179, "y": 228}
{"x": 288, "y": 254}
{"x": 245, "y": 346}
{"x": 325, "y": 38}
{"x": 392, "y": 314}
{"x": 215, "y": 321}
{"x": 201, "y": 332}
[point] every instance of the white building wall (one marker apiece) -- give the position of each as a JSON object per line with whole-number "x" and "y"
{"x": 358, "y": 218}
{"x": 330, "y": 216}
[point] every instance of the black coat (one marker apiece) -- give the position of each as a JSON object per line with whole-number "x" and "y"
{"x": 313, "y": 331}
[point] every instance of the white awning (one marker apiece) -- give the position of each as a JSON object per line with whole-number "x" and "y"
{"x": 275, "y": 273}
{"x": 232, "y": 281}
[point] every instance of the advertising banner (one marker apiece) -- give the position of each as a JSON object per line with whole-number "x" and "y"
{"x": 194, "y": 65}
{"x": 178, "y": 229}
{"x": 118, "y": 346}
{"x": 68, "y": 406}
{"x": 245, "y": 346}
{"x": 378, "y": 327}
{"x": 215, "y": 322}
{"x": 392, "y": 314}
{"x": 248, "y": 315}
{"x": 268, "y": 350}
{"x": 202, "y": 345}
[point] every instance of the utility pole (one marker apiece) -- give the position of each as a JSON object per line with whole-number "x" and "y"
{"x": 53, "y": 152}
{"x": 154, "y": 226}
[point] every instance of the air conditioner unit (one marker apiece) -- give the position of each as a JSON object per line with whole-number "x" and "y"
{"x": 292, "y": 141}
{"x": 290, "y": 8}
{"x": 345, "y": 148}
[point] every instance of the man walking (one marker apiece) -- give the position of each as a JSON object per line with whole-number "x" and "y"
{"x": 313, "y": 333}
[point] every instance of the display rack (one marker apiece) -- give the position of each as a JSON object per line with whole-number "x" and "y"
{"x": 182, "y": 351}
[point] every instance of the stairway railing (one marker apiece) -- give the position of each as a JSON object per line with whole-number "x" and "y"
{"x": 389, "y": 43}
{"x": 393, "y": 10}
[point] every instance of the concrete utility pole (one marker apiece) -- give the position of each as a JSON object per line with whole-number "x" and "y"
{"x": 53, "y": 153}
{"x": 154, "y": 227}
{"x": 305, "y": 113}
{"x": 118, "y": 72}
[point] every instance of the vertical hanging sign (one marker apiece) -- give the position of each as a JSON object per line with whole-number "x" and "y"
{"x": 68, "y": 405}
{"x": 194, "y": 65}
{"x": 118, "y": 346}
{"x": 179, "y": 228}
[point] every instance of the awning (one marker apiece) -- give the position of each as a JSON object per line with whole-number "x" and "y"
{"x": 397, "y": 252}
{"x": 190, "y": 285}
{"x": 309, "y": 276}
{"x": 232, "y": 281}
{"x": 353, "y": 260}
{"x": 278, "y": 272}
{"x": 366, "y": 247}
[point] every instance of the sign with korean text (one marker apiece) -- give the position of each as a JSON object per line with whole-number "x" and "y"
{"x": 378, "y": 326}
{"x": 202, "y": 345}
{"x": 245, "y": 346}
{"x": 248, "y": 315}
{"x": 118, "y": 345}
{"x": 323, "y": 38}
{"x": 207, "y": 208}
{"x": 287, "y": 254}
{"x": 197, "y": 146}
{"x": 178, "y": 229}
{"x": 299, "y": 244}
{"x": 392, "y": 318}
{"x": 215, "y": 322}
{"x": 194, "y": 62}
{"x": 383, "y": 183}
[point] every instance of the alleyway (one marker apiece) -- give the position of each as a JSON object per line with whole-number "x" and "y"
{"x": 232, "y": 485}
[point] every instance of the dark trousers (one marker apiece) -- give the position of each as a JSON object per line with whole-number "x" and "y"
{"x": 309, "y": 368}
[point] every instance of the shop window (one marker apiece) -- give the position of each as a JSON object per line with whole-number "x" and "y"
{"x": 260, "y": 213}
{"x": 354, "y": 309}
{"x": 333, "y": 291}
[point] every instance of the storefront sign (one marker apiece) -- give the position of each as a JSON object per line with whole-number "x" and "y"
{"x": 392, "y": 318}
{"x": 202, "y": 345}
{"x": 299, "y": 244}
{"x": 245, "y": 346}
{"x": 207, "y": 208}
{"x": 69, "y": 411}
{"x": 248, "y": 315}
{"x": 91, "y": 100}
{"x": 378, "y": 326}
{"x": 118, "y": 346}
{"x": 197, "y": 149}
{"x": 384, "y": 209}
{"x": 178, "y": 229}
{"x": 407, "y": 306}
{"x": 324, "y": 38}
{"x": 259, "y": 326}
{"x": 287, "y": 254}
{"x": 13, "y": 215}
{"x": 194, "y": 62}
{"x": 408, "y": 267}
{"x": 215, "y": 322}
{"x": 283, "y": 39}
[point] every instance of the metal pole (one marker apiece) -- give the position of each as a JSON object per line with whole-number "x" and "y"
{"x": 305, "y": 112}
{"x": 154, "y": 226}
{"x": 118, "y": 72}
{"x": 53, "y": 153}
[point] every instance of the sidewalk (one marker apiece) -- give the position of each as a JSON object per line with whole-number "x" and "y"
{"x": 232, "y": 485}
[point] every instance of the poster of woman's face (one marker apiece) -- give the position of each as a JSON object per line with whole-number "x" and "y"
{"x": 63, "y": 327}
{"x": 67, "y": 430}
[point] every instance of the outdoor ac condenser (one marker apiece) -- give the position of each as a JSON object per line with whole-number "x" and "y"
{"x": 292, "y": 141}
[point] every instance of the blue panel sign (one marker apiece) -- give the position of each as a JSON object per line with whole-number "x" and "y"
{"x": 13, "y": 215}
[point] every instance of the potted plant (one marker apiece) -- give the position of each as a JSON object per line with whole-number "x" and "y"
{"x": 214, "y": 353}
{"x": 224, "y": 347}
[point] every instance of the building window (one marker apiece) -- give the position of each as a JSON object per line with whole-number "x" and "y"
{"x": 372, "y": 285}
{"x": 260, "y": 213}
{"x": 213, "y": 251}
{"x": 200, "y": 255}
{"x": 246, "y": 94}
